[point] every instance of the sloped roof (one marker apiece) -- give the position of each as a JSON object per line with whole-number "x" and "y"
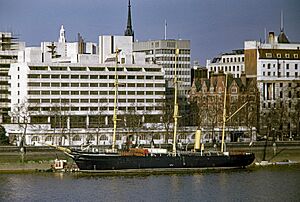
{"x": 282, "y": 38}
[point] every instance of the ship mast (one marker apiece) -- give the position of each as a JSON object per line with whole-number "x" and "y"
{"x": 175, "y": 103}
{"x": 115, "y": 102}
{"x": 224, "y": 114}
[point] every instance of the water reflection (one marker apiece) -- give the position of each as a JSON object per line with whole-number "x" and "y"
{"x": 264, "y": 184}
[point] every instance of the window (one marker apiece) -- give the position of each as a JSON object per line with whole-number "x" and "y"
{"x": 84, "y": 92}
{"x": 287, "y": 55}
{"x": 75, "y": 84}
{"x": 296, "y": 66}
{"x": 84, "y": 85}
{"x": 94, "y": 85}
{"x": 65, "y": 92}
{"x": 55, "y": 76}
{"x": 64, "y": 76}
{"x": 74, "y": 92}
{"x": 65, "y": 85}
{"x": 55, "y": 85}
{"x": 269, "y": 55}
{"x": 287, "y": 66}
{"x": 45, "y": 84}
{"x": 74, "y": 76}
{"x": 94, "y": 77}
{"x": 84, "y": 77}
{"x": 93, "y": 92}
{"x": 278, "y": 55}
{"x": 295, "y": 55}
{"x": 54, "y": 92}
{"x": 84, "y": 100}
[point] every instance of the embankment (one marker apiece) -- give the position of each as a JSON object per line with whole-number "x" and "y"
{"x": 41, "y": 158}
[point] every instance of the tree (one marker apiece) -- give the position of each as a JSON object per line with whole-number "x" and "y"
{"x": 4, "y": 140}
{"x": 167, "y": 117}
{"x": 133, "y": 121}
{"x": 21, "y": 114}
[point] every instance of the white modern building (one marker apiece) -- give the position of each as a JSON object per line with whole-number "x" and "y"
{"x": 63, "y": 88}
{"x": 232, "y": 63}
{"x": 162, "y": 52}
{"x": 9, "y": 47}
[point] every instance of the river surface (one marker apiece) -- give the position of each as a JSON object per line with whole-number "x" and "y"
{"x": 280, "y": 183}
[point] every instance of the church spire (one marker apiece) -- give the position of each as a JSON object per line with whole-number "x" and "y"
{"x": 129, "y": 31}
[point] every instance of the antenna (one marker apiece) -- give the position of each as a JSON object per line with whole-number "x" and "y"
{"x": 281, "y": 21}
{"x": 165, "y": 29}
{"x": 265, "y": 35}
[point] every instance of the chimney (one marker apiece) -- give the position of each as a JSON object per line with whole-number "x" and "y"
{"x": 271, "y": 37}
{"x": 243, "y": 78}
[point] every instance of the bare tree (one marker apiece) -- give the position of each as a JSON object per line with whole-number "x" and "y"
{"x": 167, "y": 117}
{"x": 133, "y": 121}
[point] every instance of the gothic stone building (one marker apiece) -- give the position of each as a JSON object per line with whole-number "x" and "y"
{"x": 207, "y": 103}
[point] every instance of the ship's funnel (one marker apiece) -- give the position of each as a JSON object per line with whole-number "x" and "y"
{"x": 197, "y": 140}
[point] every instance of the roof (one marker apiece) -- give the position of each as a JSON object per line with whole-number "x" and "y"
{"x": 282, "y": 38}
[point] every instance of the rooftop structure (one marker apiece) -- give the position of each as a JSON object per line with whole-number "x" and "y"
{"x": 129, "y": 31}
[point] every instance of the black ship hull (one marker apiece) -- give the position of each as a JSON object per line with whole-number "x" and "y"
{"x": 89, "y": 161}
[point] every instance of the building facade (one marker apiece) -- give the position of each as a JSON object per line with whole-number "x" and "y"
{"x": 276, "y": 66}
{"x": 232, "y": 63}
{"x": 8, "y": 54}
{"x": 162, "y": 52}
{"x": 60, "y": 86}
{"x": 207, "y": 103}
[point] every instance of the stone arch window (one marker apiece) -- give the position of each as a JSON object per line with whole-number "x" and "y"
{"x": 234, "y": 90}
{"x": 91, "y": 138}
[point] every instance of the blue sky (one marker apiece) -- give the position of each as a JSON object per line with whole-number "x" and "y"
{"x": 213, "y": 26}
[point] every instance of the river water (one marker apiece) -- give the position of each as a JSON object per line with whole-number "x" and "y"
{"x": 280, "y": 183}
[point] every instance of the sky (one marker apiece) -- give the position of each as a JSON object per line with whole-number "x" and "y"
{"x": 212, "y": 26}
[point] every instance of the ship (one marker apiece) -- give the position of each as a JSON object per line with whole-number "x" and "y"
{"x": 145, "y": 159}
{"x": 154, "y": 158}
